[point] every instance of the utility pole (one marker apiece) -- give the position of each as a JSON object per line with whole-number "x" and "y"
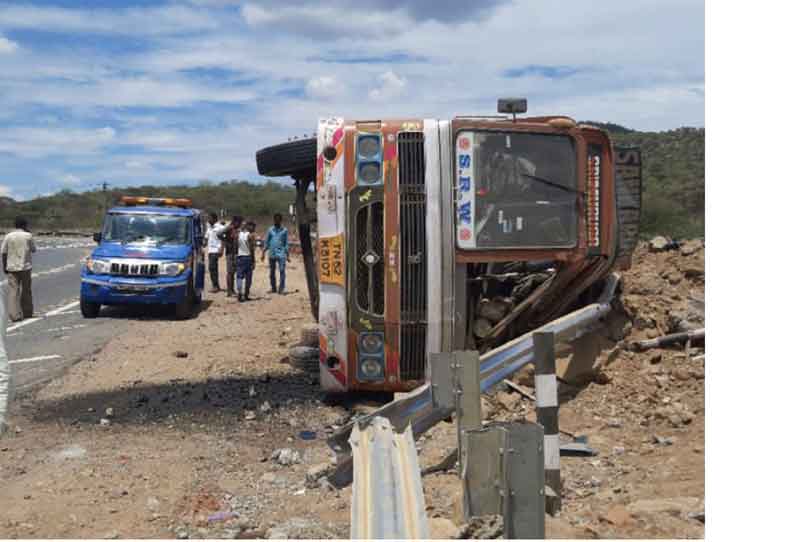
{"x": 104, "y": 197}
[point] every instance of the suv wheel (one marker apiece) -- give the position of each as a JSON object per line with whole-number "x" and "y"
{"x": 184, "y": 309}
{"x": 89, "y": 309}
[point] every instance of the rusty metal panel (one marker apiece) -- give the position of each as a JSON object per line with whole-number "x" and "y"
{"x": 628, "y": 187}
{"x": 388, "y": 501}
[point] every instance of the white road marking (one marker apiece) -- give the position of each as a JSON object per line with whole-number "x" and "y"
{"x": 62, "y": 328}
{"x": 47, "y": 272}
{"x": 37, "y": 358}
{"x": 54, "y": 312}
{"x": 51, "y": 330}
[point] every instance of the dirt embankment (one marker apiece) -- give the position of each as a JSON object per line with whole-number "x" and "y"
{"x": 643, "y": 412}
{"x": 198, "y": 429}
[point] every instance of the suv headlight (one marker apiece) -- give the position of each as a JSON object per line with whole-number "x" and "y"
{"x": 97, "y": 267}
{"x": 172, "y": 269}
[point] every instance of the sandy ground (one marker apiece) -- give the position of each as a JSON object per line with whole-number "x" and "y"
{"x": 186, "y": 450}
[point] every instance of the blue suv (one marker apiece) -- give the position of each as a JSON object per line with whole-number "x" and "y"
{"x": 150, "y": 251}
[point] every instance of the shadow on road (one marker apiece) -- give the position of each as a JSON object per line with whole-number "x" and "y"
{"x": 147, "y": 312}
{"x": 211, "y": 400}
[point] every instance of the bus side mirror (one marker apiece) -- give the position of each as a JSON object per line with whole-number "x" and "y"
{"x": 511, "y": 105}
{"x": 98, "y": 237}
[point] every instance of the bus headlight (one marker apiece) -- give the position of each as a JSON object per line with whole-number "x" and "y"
{"x": 368, "y": 146}
{"x": 370, "y": 357}
{"x": 371, "y": 343}
{"x": 369, "y": 155}
{"x": 369, "y": 173}
{"x": 370, "y": 369}
{"x": 172, "y": 269}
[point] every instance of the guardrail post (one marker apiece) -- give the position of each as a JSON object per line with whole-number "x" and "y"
{"x": 547, "y": 406}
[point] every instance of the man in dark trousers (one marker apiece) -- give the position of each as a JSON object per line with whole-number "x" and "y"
{"x": 246, "y": 243}
{"x": 17, "y": 250}
{"x": 277, "y": 243}
{"x": 214, "y": 247}
{"x": 230, "y": 248}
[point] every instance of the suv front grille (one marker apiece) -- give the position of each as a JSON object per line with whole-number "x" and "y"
{"x": 413, "y": 256}
{"x": 134, "y": 269}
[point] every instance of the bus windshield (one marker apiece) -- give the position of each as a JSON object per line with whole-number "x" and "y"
{"x": 516, "y": 190}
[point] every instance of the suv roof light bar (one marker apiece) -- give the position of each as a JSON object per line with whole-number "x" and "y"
{"x": 166, "y": 202}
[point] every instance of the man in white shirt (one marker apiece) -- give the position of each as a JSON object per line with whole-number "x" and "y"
{"x": 17, "y": 251}
{"x": 246, "y": 243}
{"x": 214, "y": 248}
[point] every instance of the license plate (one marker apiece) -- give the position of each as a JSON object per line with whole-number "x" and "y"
{"x": 332, "y": 262}
{"x": 131, "y": 289}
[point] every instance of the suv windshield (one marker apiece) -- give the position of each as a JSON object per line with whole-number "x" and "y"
{"x": 145, "y": 228}
{"x": 515, "y": 190}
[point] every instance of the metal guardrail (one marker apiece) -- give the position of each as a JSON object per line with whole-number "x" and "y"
{"x": 388, "y": 501}
{"x": 416, "y": 409}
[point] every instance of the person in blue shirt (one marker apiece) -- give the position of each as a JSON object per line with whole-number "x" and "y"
{"x": 277, "y": 244}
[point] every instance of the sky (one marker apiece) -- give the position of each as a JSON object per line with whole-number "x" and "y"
{"x": 184, "y": 91}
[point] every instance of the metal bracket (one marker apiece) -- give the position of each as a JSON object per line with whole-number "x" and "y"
{"x": 504, "y": 474}
{"x": 455, "y": 384}
{"x": 441, "y": 384}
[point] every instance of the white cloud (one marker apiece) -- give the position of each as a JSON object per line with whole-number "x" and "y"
{"x": 117, "y": 91}
{"x": 324, "y": 86}
{"x": 7, "y": 46}
{"x": 169, "y": 19}
{"x": 71, "y": 180}
{"x": 6, "y": 191}
{"x": 201, "y": 87}
{"x": 256, "y": 15}
{"x": 323, "y": 22}
{"x": 41, "y": 142}
{"x": 391, "y": 87}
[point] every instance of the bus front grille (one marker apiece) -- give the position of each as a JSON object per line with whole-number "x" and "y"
{"x": 413, "y": 256}
{"x": 370, "y": 275}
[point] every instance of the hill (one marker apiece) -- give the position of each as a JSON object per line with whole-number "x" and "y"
{"x": 70, "y": 210}
{"x": 674, "y": 179}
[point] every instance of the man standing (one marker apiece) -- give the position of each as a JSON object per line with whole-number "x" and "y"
{"x": 277, "y": 244}
{"x": 230, "y": 248}
{"x": 246, "y": 243}
{"x": 17, "y": 250}
{"x": 5, "y": 370}
{"x": 214, "y": 248}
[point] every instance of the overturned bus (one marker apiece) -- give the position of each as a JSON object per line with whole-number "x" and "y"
{"x": 461, "y": 234}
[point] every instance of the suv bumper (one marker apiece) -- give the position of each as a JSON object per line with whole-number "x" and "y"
{"x": 111, "y": 290}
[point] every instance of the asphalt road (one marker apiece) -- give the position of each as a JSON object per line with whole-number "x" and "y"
{"x": 42, "y": 347}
